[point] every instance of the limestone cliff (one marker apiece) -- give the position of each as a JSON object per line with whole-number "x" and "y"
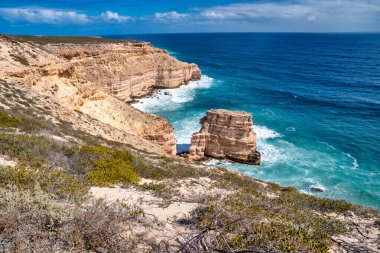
{"x": 226, "y": 134}
{"x": 125, "y": 70}
{"x": 98, "y": 79}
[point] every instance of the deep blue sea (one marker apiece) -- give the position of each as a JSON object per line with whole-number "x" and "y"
{"x": 315, "y": 101}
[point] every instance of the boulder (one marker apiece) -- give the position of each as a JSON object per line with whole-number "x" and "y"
{"x": 225, "y": 135}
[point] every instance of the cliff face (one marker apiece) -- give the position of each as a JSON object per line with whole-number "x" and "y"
{"x": 226, "y": 134}
{"x": 125, "y": 70}
{"x": 97, "y": 79}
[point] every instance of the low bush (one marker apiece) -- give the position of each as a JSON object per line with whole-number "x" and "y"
{"x": 33, "y": 221}
{"x": 29, "y": 149}
{"x": 8, "y": 121}
{"x": 57, "y": 182}
{"x": 164, "y": 168}
{"x": 102, "y": 166}
{"x": 247, "y": 221}
{"x": 107, "y": 172}
{"x": 28, "y": 219}
{"x": 21, "y": 59}
{"x": 160, "y": 190}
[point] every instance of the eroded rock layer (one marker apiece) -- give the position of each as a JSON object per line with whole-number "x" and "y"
{"x": 226, "y": 134}
{"x": 97, "y": 79}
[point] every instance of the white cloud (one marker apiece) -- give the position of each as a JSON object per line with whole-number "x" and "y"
{"x": 114, "y": 17}
{"x": 171, "y": 16}
{"x": 290, "y": 15}
{"x": 309, "y": 10}
{"x": 52, "y": 16}
{"x": 265, "y": 15}
{"x": 43, "y": 16}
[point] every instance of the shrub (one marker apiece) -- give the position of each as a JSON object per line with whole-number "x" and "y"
{"x": 34, "y": 221}
{"x": 106, "y": 152}
{"x": 32, "y": 150}
{"x": 28, "y": 219}
{"x": 102, "y": 228}
{"x": 159, "y": 190}
{"x": 112, "y": 171}
{"x": 57, "y": 182}
{"x": 247, "y": 221}
{"x": 102, "y": 165}
{"x": 21, "y": 59}
{"x": 163, "y": 168}
{"x": 8, "y": 121}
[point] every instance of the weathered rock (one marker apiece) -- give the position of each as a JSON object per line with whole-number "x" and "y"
{"x": 125, "y": 70}
{"x": 97, "y": 79}
{"x": 226, "y": 134}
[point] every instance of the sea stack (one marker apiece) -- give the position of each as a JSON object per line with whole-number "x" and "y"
{"x": 226, "y": 134}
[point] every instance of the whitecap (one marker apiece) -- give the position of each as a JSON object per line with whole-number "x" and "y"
{"x": 214, "y": 162}
{"x": 211, "y": 162}
{"x": 262, "y": 132}
{"x": 355, "y": 163}
{"x": 290, "y": 129}
{"x": 184, "y": 129}
{"x": 170, "y": 99}
{"x": 270, "y": 154}
{"x": 332, "y": 147}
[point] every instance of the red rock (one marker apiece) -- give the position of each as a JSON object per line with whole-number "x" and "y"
{"x": 226, "y": 135}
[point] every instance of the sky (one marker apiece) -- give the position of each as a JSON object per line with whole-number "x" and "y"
{"x": 108, "y": 17}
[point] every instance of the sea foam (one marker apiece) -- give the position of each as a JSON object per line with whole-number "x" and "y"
{"x": 170, "y": 99}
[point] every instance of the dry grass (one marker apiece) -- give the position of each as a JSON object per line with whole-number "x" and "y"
{"x": 33, "y": 221}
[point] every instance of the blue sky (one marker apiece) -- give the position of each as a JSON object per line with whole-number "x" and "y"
{"x": 101, "y": 17}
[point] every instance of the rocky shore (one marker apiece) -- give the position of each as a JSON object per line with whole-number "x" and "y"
{"x": 97, "y": 79}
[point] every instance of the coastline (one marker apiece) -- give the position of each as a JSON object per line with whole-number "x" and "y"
{"x": 268, "y": 141}
{"x": 263, "y": 133}
{"x": 83, "y": 159}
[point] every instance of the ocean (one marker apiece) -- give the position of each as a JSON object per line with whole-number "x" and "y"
{"x": 315, "y": 101}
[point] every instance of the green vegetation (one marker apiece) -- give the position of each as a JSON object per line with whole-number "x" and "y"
{"x": 160, "y": 190}
{"x": 108, "y": 172}
{"x": 102, "y": 166}
{"x": 34, "y": 221}
{"x": 8, "y": 121}
{"x": 59, "y": 183}
{"x": 20, "y": 59}
{"x": 248, "y": 220}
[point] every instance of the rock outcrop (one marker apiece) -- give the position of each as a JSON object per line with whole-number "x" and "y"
{"x": 97, "y": 79}
{"x": 125, "y": 70}
{"x": 226, "y": 134}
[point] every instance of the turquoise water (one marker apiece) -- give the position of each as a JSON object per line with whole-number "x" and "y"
{"x": 315, "y": 101}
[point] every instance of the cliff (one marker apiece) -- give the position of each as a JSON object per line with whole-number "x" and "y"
{"x": 125, "y": 70}
{"x": 226, "y": 134}
{"x": 97, "y": 79}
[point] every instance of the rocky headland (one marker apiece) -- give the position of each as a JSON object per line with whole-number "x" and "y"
{"x": 226, "y": 135}
{"x": 97, "y": 79}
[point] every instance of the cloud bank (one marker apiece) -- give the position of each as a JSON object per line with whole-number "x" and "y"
{"x": 51, "y": 16}
{"x": 290, "y": 15}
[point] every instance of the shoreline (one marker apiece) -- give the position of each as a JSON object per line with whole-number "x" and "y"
{"x": 306, "y": 185}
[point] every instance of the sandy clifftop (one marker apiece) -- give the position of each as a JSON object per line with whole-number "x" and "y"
{"x": 97, "y": 79}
